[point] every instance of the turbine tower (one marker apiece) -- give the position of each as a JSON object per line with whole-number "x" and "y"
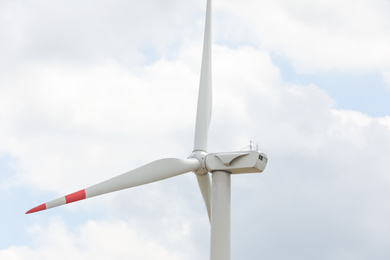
{"x": 216, "y": 196}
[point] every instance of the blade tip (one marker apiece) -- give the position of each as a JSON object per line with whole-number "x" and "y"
{"x": 37, "y": 208}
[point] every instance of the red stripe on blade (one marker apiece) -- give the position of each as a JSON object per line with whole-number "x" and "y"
{"x": 38, "y": 208}
{"x": 78, "y": 195}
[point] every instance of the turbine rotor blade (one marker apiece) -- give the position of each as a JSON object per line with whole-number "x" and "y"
{"x": 203, "y": 114}
{"x": 205, "y": 188}
{"x": 154, "y": 171}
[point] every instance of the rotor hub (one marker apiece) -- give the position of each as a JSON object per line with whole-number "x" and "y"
{"x": 201, "y": 156}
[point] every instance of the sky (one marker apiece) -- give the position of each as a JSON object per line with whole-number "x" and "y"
{"x": 92, "y": 89}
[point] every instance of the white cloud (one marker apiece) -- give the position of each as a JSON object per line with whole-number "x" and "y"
{"x": 317, "y": 154}
{"x": 57, "y": 112}
{"x": 321, "y": 35}
{"x": 92, "y": 240}
{"x": 91, "y": 31}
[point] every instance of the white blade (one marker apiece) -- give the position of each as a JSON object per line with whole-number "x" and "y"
{"x": 154, "y": 171}
{"x": 203, "y": 115}
{"x": 205, "y": 188}
{"x": 220, "y": 216}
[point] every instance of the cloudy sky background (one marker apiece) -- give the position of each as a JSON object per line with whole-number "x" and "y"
{"x": 91, "y": 89}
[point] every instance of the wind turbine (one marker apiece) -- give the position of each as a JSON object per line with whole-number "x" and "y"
{"x": 216, "y": 196}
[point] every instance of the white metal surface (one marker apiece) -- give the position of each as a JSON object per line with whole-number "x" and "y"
{"x": 154, "y": 171}
{"x": 205, "y": 188}
{"x": 203, "y": 114}
{"x": 204, "y": 108}
{"x": 237, "y": 162}
{"x": 220, "y": 216}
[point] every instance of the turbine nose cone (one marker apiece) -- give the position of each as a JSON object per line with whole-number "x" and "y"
{"x": 37, "y": 208}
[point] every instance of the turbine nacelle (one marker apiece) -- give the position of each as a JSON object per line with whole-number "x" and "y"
{"x": 237, "y": 162}
{"x": 232, "y": 162}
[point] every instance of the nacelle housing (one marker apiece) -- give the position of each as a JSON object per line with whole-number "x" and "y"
{"x": 237, "y": 162}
